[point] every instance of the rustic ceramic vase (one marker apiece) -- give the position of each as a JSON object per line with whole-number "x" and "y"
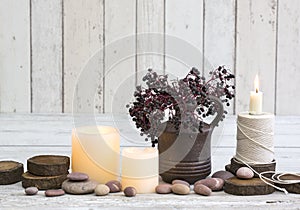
{"x": 185, "y": 154}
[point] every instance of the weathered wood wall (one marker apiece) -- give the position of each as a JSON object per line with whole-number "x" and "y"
{"x": 45, "y": 45}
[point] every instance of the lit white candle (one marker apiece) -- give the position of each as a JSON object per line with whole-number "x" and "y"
{"x": 140, "y": 169}
{"x": 96, "y": 151}
{"x": 256, "y": 98}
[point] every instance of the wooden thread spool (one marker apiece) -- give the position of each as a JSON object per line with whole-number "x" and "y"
{"x": 255, "y": 138}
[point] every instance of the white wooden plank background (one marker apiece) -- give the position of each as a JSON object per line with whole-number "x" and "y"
{"x": 184, "y": 20}
{"x": 219, "y": 36}
{"x": 15, "y": 56}
{"x": 150, "y": 48}
{"x": 46, "y": 44}
{"x": 288, "y": 57}
{"x": 119, "y": 74}
{"x": 46, "y": 33}
{"x": 256, "y": 51}
{"x": 83, "y": 38}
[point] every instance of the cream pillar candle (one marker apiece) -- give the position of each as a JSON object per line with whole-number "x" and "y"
{"x": 256, "y": 97}
{"x": 96, "y": 152}
{"x": 140, "y": 169}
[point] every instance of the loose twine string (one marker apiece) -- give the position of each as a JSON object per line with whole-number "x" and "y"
{"x": 255, "y": 146}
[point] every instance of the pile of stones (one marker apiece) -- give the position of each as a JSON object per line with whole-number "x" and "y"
{"x": 203, "y": 187}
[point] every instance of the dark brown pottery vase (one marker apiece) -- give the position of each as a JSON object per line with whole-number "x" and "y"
{"x": 186, "y": 154}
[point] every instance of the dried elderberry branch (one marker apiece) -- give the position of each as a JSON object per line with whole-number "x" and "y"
{"x": 186, "y": 100}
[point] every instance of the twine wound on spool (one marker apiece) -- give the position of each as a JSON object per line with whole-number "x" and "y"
{"x": 255, "y": 146}
{"x": 255, "y": 138}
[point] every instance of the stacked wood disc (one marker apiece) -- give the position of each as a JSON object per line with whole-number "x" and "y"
{"x": 245, "y": 183}
{"x": 10, "y": 172}
{"x": 46, "y": 171}
{"x": 254, "y": 186}
{"x": 291, "y": 188}
{"x": 235, "y": 165}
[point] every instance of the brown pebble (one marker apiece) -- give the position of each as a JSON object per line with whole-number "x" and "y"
{"x": 178, "y": 181}
{"x": 53, "y": 193}
{"x": 130, "y": 191}
{"x": 222, "y": 175}
{"x": 180, "y": 189}
{"x": 244, "y": 173}
{"x": 77, "y": 176}
{"x": 163, "y": 189}
{"x": 202, "y": 190}
{"x": 214, "y": 184}
{"x": 31, "y": 190}
{"x": 79, "y": 188}
{"x": 102, "y": 189}
{"x": 114, "y": 186}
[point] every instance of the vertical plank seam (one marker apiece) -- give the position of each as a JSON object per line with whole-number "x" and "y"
{"x": 103, "y": 56}
{"x": 276, "y": 59}
{"x": 30, "y": 58}
{"x": 235, "y": 52}
{"x": 203, "y": 36}
{"x": 164, "y": 37}
{"x": 62, "y": 58}
{"x": 136, "y": 42}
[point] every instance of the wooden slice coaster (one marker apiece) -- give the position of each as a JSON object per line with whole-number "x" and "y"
{"x": 235, "y": 165}
{"x": 253, "y": 186}
{"x": 43, "y": 182}
{"x": 10, "y": 172}
{"x": 48, "y": 165}
{"x": 291, "y": 188}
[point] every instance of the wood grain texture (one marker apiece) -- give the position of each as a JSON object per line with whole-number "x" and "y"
{"x": 256, "y": 51}
{"x": 150, "y": 47}
{"x": 15, "y": 56}
{"x": 119, "y": 76}
{"x": 219, "y": 36}
{"x": 46, "y": 29}
{"x": 184, "y": 20}
{"x": 288, "y": 63}
{"x": 56, "y": 130}
{"x": 83, "y": 40}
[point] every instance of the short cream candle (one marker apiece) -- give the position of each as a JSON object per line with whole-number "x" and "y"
{"x": 256, "y": 98}
{"x": 140, "y": 169}
{"x": 96, "y": 152}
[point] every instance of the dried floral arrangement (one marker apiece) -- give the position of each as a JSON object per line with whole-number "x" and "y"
{"x": 185, "y": 102}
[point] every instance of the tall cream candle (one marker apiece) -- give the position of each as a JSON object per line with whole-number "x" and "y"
{"x": 140, "y": 169}
{"x": 96, "y": 151}
{"x": 256, "y": 98}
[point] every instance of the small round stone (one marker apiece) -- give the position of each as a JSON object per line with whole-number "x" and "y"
{"x": 202, "y": 190}
{"x": 79, "y": 188}
{"x": 163, "y": 189}
{"x": 222, "y": 175}
{"x": 54, "y": 193}
{"x": 130, "y": 191}
{"x": 180, "y": 189}
{"x": 77, "y": 176}
{"x": 178, "y": 181}
{"x": 101, "y": 189}
{"x": 31, "y": 190}
{"x": 214, "y": 184}
{"x": 244, "y": 173}
{"x": 114, "y": 186}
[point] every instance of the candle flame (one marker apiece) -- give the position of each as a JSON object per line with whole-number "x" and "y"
{"x": 256, "y": 84}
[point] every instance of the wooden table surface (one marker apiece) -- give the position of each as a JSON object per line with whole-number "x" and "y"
{"x": 26, "y": 135}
